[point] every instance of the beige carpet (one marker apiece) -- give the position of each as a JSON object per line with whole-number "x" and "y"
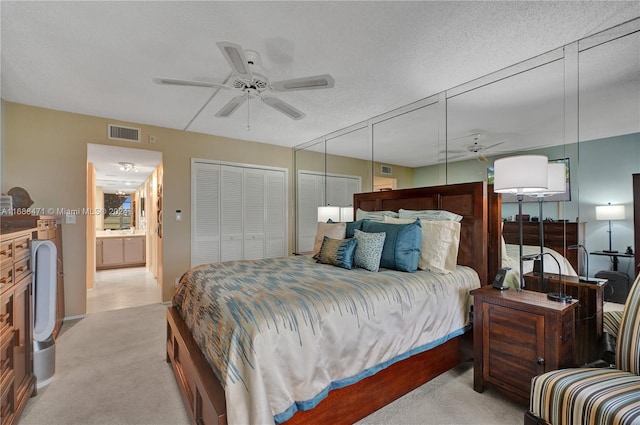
{"x": 111, "y": 369}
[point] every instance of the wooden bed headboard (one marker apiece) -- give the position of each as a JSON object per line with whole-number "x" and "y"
{"x": 481, "y": 214}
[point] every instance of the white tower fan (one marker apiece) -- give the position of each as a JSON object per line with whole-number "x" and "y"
{"x": 43, "y": 264}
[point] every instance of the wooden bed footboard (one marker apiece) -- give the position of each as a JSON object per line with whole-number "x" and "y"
{"x": 203, "y": 394}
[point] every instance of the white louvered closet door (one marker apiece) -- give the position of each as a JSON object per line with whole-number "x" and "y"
{"x": 205, "y": 233}
{"x": 238, "y": 212}
{"x": 231, "y": 213}
{"x": 310, "y": 197}
{"x": 276, "y": 217}
{"x": 254, "y": 214}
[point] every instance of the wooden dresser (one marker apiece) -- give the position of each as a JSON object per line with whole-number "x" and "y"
{"x": 17, "y": 381}
{"x": 555, "y": 235}
{"x": 518, "y": 335}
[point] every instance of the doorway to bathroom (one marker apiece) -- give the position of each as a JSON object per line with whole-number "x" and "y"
{"x": 124, "y": 257}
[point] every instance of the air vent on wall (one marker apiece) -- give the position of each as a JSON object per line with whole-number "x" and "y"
{"x": 120, "y": 132}
{"x": 385, "y": 169}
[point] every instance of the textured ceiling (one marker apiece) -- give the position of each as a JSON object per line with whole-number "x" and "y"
{"x": 99, "y": 58}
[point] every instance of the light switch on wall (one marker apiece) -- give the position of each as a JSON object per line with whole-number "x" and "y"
{"x": 70, "y": 219}
{"x": 178, "y": 215}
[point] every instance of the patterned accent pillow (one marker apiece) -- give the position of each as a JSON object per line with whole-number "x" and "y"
{"x": 430, "y": 215}
{"x": 368, "y": 250}
{"x": 337, "y": 252}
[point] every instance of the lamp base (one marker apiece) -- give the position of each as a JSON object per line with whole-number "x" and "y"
{"x": 610, "y": 251}
{"x": 559, "y": 297}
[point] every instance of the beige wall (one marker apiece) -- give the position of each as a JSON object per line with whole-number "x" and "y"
{"x": 45, "y": 152}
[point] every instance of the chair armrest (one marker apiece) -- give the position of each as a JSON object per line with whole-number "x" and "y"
{"x": 611, "y": 322}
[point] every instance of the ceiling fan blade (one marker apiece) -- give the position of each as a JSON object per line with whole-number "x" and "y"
{"x": 324, "y": 81}
{"x": 492, "y": 146}
{"x": 283, "y": 107}
{"x": 449, "y": 151}
{"x": 234, "y": 54}
{"x": 189, "y": 83}
{"x": 231, "y": 106}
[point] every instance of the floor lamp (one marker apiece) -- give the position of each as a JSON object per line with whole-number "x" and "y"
{"x": 520, "y": 175}
{"x": 557, "y": 183}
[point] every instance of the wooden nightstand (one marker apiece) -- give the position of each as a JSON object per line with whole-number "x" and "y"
{"x": 518, "y": 335}
{"x": 590, "y": 299}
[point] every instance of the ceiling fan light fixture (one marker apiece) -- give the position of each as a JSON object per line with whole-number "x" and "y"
{"x": 248, "y": 77}
{"x": 129, "y": 167}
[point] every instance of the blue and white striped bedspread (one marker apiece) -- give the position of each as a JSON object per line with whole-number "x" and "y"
{"x": 280, "y": 333}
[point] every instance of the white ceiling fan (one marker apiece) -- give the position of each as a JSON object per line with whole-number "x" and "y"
{"x": 476, "y": 150}
{"x": 248, "y": 77}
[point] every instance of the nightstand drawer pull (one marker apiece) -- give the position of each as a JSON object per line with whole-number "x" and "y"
{"x": 540, "y": 361}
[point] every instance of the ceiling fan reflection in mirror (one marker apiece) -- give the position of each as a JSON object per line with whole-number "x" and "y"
{"x": 474, "y": 150}
{"x": 249, "y": 78}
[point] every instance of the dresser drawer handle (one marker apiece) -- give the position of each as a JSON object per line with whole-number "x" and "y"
{"x": 21, "y": 269}
{"x": 19, "y": 246}
{"x": 4, "y": 279}
{"x": 4, "y": 317}
{"x": 540, "y": 361}
{"x": 4, "y": 252}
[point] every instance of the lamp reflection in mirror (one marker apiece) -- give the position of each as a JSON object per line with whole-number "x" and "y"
{"x": 328, "y": 213}
{"x": 553, "y": 296}
{"x": 610, "y": 212}
{"x": 523, "y": 174}
{"x": 346, "y": 214}
{"x": 556, "y": 184}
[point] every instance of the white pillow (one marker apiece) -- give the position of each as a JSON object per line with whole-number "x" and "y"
{"x": 505, "y": 255}
{"x": 374, "y": 215}
{"x": 332, "y": 230}
{"x": 440, "y": 243}
{"x": 433, "y": 215}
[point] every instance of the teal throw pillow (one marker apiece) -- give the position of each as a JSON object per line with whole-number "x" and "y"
{"x": 337, "y": 252}
{"x": 402, "y": 244}
{"x": 368, "y": 250}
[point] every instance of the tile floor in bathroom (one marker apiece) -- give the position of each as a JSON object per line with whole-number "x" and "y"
{"x": 122, "y": 288}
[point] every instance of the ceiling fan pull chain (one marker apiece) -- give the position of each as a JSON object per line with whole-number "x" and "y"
{"x": 248, "y": 102}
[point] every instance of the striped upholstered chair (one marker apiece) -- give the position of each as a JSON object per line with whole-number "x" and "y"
{"x": 595, "y": 396}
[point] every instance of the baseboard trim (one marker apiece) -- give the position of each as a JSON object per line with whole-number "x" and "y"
{"x": 79, "y": 316}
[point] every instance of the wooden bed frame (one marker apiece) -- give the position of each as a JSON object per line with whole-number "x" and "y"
{"x": 204, "y": 395}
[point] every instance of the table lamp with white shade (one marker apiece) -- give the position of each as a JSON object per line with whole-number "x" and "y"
{"x": 610, "y": 212}
{"x": 520, "y": 175}
{"x": 327, "y": 213}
